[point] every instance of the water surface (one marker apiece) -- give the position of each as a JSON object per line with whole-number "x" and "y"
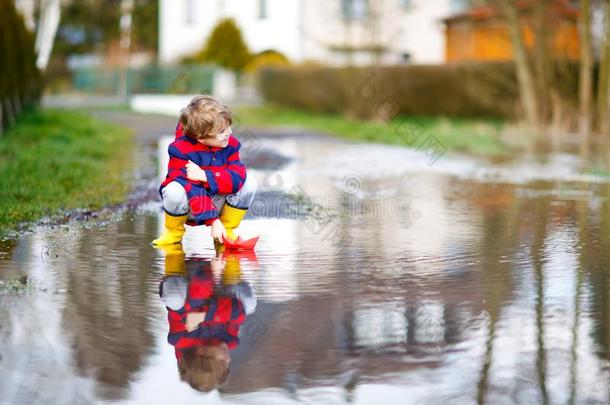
{"x": 378, "y": 278}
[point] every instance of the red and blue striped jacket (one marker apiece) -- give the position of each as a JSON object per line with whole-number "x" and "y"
{"x": 224, "y": 316}
{"x": 225, "y": 173}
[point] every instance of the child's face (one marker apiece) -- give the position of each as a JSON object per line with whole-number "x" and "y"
{"x": 219, "y": 351}
{"x": 218, "y": 140}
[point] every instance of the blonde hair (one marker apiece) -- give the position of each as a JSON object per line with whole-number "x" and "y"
{"x": 203, "y": 373}
{"x": 204, "y": 117}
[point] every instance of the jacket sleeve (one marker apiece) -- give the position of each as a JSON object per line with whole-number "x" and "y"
{"x": 200, "y": 203}
{"x": 200, "y": 291}
{"x": 230, "y": 178}
{"x": 177, "y": 325}
{"x": 176, "y": 166}
{"x": 179, "y": 130}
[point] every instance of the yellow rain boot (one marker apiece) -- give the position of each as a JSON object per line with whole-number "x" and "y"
{"x": 231, "y": 218}
{"x": 174, "y": 230}
{"x": 174, "y": 260}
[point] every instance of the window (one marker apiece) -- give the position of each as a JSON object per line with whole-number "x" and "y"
{"x": 458, "y": 6}
{"x": 405, "y": 4}
{"x": 220, "y": 7}
{"x": 189, "y": 9}
{"x": 355, "y": 9}
{"x": 262, "y": 9}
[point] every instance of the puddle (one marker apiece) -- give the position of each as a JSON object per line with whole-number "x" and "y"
{"x": 377, "y": 278}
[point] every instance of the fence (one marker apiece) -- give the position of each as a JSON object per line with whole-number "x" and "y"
{"x": 146, "y": 80}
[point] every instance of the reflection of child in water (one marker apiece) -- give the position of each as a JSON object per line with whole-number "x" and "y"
{"x": 204, "y": 318}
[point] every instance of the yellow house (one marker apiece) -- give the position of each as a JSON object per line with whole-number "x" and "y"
{"x": 482, "y": 34}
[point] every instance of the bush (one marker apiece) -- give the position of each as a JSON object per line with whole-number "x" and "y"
{"x": 469, "y": 90}
{"x": 20, "y": 80}
{"x": 268, "y": 58}
{"x": 225, "y": 47}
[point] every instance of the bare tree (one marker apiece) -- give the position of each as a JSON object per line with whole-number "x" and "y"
{"x": 371, "y": 28}
{"x": 586, "y": 70}
{"x": 525, "y": 75}
{"x": 603, "y": 89}
{"x": 549, "y": 71}
{"x": 542, "y": 58}
{"x": 539, "y": 70}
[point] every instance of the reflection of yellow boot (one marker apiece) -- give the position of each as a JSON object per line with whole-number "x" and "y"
{"x": 232, "y": 273}
{"x": 174, "y": 230}
{"x": 174, "y": 260}
{"x": 231, "y": 218}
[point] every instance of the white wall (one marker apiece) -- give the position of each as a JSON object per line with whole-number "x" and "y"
{"x": 416, "y": 29}
{"x": 308, "y": 29}
{"x": 424, "y": 34}
{"x": 179, "y": 37}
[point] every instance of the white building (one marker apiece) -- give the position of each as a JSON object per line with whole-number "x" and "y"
{"x": 336, "y": 32}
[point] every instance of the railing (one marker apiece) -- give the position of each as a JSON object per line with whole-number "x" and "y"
{"x": 147, "y": 80}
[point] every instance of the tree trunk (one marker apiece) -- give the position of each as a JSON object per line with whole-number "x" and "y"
{"x": 527, "y": 89}
{"x": 17, "y": 105}
{"x": 603, "y": 89}
{"x": 542, "y": 59}
{"x": 586, "y": 71}
{"x": 8, "y": 105}
{"x": 607, "y": 114}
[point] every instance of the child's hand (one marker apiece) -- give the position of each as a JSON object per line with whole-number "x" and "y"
{"x": 195, "y": 173}
{"x": 218, "y": 231}
{"x": 193, "y": 319}
{"x": 217, "y": 265}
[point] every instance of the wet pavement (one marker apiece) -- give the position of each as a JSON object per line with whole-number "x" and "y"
{"x": 379, "y": 277}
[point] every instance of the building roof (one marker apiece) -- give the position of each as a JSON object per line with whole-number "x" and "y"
{"x": 561, "y": 8}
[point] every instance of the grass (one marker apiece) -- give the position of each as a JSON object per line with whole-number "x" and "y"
{"x": 54, "y": 160}
{"x": 599, "y": 172}
{"x": 480, "y": 137}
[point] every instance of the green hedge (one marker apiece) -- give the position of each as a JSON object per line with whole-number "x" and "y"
{"x": 20, "y": 80}
{"x": 469, "y": 90}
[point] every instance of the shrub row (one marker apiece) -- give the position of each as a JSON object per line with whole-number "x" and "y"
{"x": 469, "y": 90}
{"x": 20, "y": 80}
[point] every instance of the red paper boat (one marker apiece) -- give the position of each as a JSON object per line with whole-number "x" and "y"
{"x": 240, "y": 244}
{"x": 243, "y": 256}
